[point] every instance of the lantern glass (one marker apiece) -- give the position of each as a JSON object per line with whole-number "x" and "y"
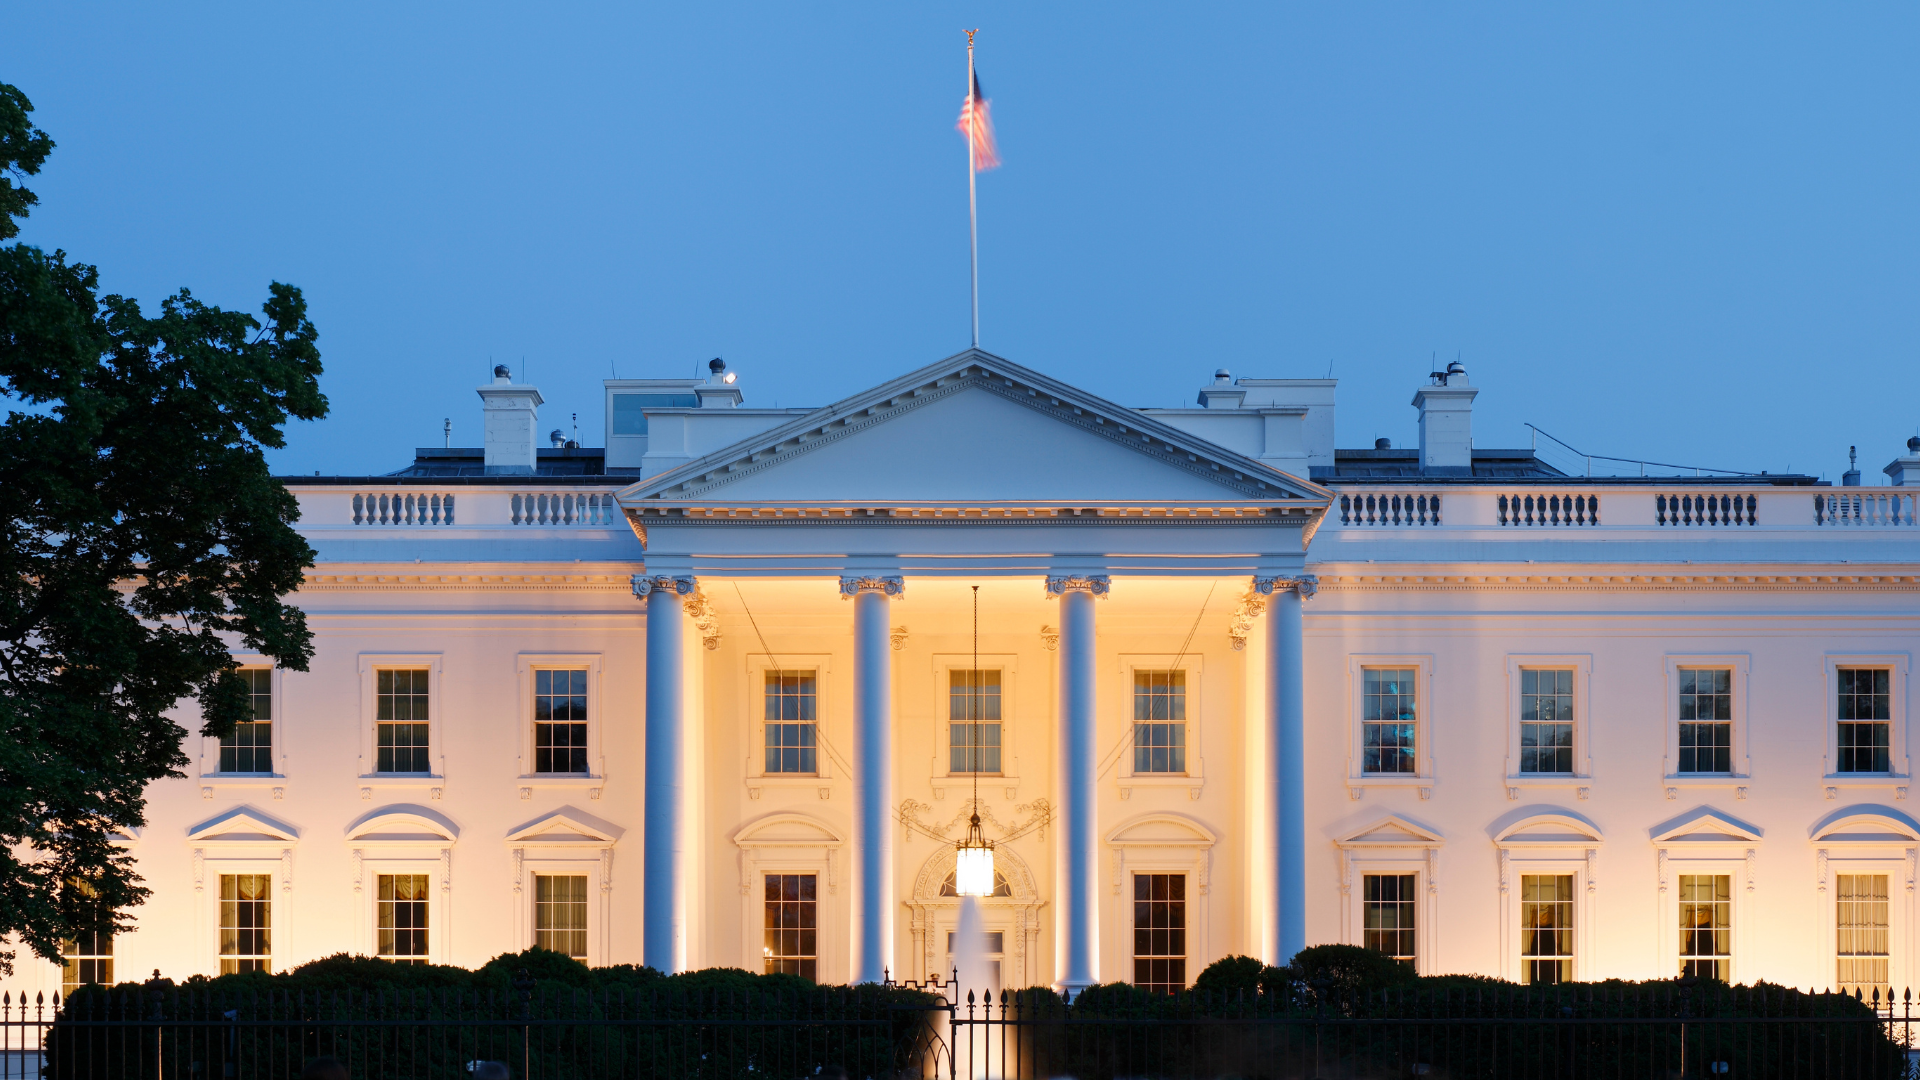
{"x": 973, "y": 871}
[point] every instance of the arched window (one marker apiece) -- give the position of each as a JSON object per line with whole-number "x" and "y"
{"x": 1000, "y": 886}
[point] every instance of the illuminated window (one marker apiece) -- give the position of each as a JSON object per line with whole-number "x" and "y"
{"x": 250, "y": 748}
{"x": 246, "y": 923}
{"x": 1546, "y": 928}
{"x": 1706, "y": 925}
{"x": 1386, "y": 904}
{"x": 1865, "y": 720}
{"x": 401, "y": 721}
{"x": 401, "y": 918}
{"x": 791, "y": 920}
{"x": 560, "y": 721}
{"x": 1388, "y": 721}
{"x": 86, "y": 960}
{"x": 1159, "y": 721}
{"x": 792, "y": 743}
{"x": 973, "y": 714}
{"x": 1160, "y": 932}
{"x": 1861, "y": 941}
{"x": 1706, "y": 720}
{"x": 1546, "y": 720}
{"x": 560, "y": 913}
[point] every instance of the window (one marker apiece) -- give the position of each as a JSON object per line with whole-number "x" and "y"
{"x": 1706, "y": 925}
{"x": 791, "y": 943}
{"x": 560, "y": 913}
{"x": 402, "y": 918}
{"x": 995, "y": 951}
{"x": 86, "y": 960}
{"x": 250, "y": 748}
{"x": 1706, "y": 720}
{"x": 630, "y": 418}
{"x": 973, "y": 712}
{"x": 401, "y": 721}
{"x": 1386, "y": 904}
{"x": 1546, "y": 928}
{"x": 1387, "y": 721}
{"x": 1160, "y": 721}
{"x": 246, "y": 923}
{"x": 559, "y": 721}
{"x": 1160, "y": 932}
{"x": 1546, "y": 720}
{"x": 1000, "y": 886}
{"x": 791, "y": 744}
{"x": 1865, "y": 720}
{"x": 1860, "y": 917}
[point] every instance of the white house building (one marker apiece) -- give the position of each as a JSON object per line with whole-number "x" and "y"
{"x": 709, "y": 696}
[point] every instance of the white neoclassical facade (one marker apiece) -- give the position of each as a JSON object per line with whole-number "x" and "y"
{"x": 710, "y": 696}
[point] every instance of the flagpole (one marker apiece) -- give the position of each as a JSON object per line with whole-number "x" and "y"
{"x": 973, "y": 211}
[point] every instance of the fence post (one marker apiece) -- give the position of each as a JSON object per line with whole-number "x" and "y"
{"x": 523, "y": 1005}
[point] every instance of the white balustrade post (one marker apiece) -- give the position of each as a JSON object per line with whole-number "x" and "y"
{"x": 872, "y": 860}
{"x": 1078, "y": 920}
{"x": 1284, "y": 918}
{"x": 664, "y": 891}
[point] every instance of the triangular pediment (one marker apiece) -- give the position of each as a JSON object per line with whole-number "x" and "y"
{"x": 566, "y": 827}
{"x": 1705, "y": 826}
{"x": 979, "y": 430}
{"x": 243, "y": 825}
{"x": 1393, "y": 831}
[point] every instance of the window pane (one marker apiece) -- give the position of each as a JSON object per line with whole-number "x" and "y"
{"x": 1159, "y": 728}
{"x": 560, "y": 913}
{"x": 1706, "y": 925}
{"x": 1546, "y": 928}
{"x": 1706, "y": 715}
{"x": 249, "y": 749}
{"x": 1160, "y": 932}
{"x": 790, "y": 702}
{"x": 1863, "y": 712}
{"x": 400, "y": 731}
{"x": 1387, "y": 904}
{"x": 1388, "y": 719}
{"x": 401, "y": 917}
{"x": 1546, "y": 720}
{"x": 790, "y": 944}
{"x": 246, "y": 923}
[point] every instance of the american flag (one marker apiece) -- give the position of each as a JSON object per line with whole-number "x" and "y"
{"x": 978, "y": 125}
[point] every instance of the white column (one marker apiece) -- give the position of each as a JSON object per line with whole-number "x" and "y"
{"x": 873, "y": 776}
{"x": 1078, "y": 921}
{"x": 664, "y": 890}
{"x": 1284, "y": 918}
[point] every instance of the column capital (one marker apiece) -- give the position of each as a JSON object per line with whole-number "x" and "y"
{"x": 1061, "y": 584}
{"x": 889, "y": 586}
{"x": 1304, "y": 584}
{"x": 644, "y": 584}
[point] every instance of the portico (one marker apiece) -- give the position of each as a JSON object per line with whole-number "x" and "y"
{"x": 1100, "y": 539}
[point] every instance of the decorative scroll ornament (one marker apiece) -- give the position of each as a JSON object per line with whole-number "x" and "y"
{"x": 852, "y": 586}
{"x": 704, "y": 619}
{"x": 1305, "y": 584}
{"x": 643, "y": 585}
{"x": 1061, "y": 584}
{"x": 1050, "y": 637}
{"x": 1250, "y": 608}
{"x": 897, "y": 637}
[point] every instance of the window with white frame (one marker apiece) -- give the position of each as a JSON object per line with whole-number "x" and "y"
{"x": 560, "y": 721}
{"x": 249, "y": 748}
{"x": 560, "y": 914}
{"x": 1861, "y": 940}
{"x": 1546, "y": 721}
{"x": 1389, "y": 720}
{"x": 1706, "y": 926}
{"x": 1706, "y": 720}
{"x": 401, "y": 729}
{"x": 1863, "y": 714}
{"x": 973, "y": 722}
{"x": 400, "y": 918}
{"x": 246, "y": 923}
{"x": 86, "y": 959}
{"x": 792, "y": 925}
{"x": 1387, "y": 903}
{"x": 1546, "y": 928}
{"x": 792, "y": 738}
{"x": 1160, "y": 932}
{"x": 1160, "y": 722}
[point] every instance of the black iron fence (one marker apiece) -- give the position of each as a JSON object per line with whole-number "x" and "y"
{"x": 1109, "y": 1033}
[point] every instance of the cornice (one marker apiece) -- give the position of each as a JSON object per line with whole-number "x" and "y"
{"x": 415, "y": 580}
{"x": 1653, "y": 579}
{"x": 1282, "y": 515}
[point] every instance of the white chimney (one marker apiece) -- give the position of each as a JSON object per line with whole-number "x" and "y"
{"x": 1446, "y": 423}
{"x": 512, "y": 425}
{"x": 1905, "y": 472}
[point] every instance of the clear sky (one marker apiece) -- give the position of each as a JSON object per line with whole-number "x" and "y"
{"x": 1682, "y": 232}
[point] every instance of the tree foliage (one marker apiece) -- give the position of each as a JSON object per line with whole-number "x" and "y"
{"x": 145, "y": 540}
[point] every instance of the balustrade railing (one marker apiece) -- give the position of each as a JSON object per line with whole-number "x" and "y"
{"x": 1863, "y": 508}
{"x": 403, "y": 508}
{"x": 565, "y": 508}
{"x": 1550, "y": 509}
{"x": 1390, "y": 508}
{"x": 1707, "y": 509}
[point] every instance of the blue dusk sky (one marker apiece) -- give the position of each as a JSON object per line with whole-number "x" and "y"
{"x": 1677, "y": 232}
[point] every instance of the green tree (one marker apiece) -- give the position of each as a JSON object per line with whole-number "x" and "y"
{"x": 144, "y": 540}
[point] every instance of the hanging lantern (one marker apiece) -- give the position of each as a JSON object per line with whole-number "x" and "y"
{"x": 973, "y": 863}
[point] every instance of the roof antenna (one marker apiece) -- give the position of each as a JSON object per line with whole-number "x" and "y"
{"x": 446, "y": 430}
{"x": 1329, "y": 367}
